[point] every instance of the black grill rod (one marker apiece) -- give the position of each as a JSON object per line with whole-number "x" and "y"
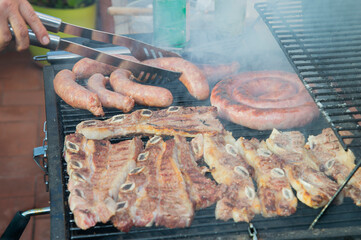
{"x": 335, "y": 195}
{"x": 305, "y": 52}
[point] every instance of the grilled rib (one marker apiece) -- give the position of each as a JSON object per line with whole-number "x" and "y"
{"x": 96, "y": 170}
{"x": 136, "y": 180}
{"x": 185, "y": 121}
{"x": 239, "y": 201}
{"x": 197, "y": 145}
{"x": 273, "y": 189}
{"x": 313, "y": 187}
{"x": 145, "y": 208}
{"x": 203, "y": 191}
{"x": 175, "y": 207}
{"x": 156, "y": 191}
{"x": 334, "y": 161}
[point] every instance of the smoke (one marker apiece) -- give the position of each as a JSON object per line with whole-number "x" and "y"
{"x": 227, "y": 32}
{"x": 219, "y": 32}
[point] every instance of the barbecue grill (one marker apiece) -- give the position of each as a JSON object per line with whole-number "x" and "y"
{"x": 329, "y": 69}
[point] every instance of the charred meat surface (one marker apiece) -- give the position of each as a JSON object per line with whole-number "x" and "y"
{"x": 313, "y": 187}
{"x": 274, "y": 191}
{"x": 185, "y": 121}
{"x": 175, "y": 206}
{"x": 155, "y": 191}
{"x": 96, "y": 170}
{"x": 334, "y": 161}
{"x": 239, "y": 200}
{"x": 203, "y": 191}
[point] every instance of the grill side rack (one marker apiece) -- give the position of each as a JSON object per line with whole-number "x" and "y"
{"x": 321, "y": 40}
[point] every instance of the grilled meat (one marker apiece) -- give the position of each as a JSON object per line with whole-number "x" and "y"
{"x": 185, "y": 121}
{"x": 273, "y": 189}
{"x": 198, "y": 146}
{"x": 313, "y": 187}
{"x": 96, "y": 170}
{"x": 239, "y": 201}
{"x": 145, "y": 208}
{"x": 136, "y": 180}
{"x": 335, "y": 162}
{"x": 155, "y": 191}
{"x": 175, "y": 206}
{"x": 203, "y": 191}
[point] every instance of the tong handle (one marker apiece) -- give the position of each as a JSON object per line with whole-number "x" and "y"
{"x": 51, "y": 23}
{"x": 18, "y": 224}
{"x": 54, "y": 40}
{"x": 16, "y": 227}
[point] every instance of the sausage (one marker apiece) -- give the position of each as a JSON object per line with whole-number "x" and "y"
{"x": 121, "y": 82}
{"x": 76, "y": 95}
{"x": 86, "y": 67}
{"x": 192, "y": 77}
{"x": 272, "y": 89}
{"x": 97, "y": 83}
{"x": 215, "y": 73}
{"x": 251, "y": 113}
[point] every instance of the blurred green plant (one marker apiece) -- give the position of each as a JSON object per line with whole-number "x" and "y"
{"x": 62, "y": 3}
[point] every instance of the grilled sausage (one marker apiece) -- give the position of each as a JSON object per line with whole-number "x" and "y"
{"x": 97, "y": 83}
{"x": 270, "y": 89}
{"x": 76, "y": 95}
{"x": 121, "y": 82}
{"x": 192, "y": 77}
{"x": 242, "y": 100}
{"x": 86, "y": 67}
{"x": 215, "y": 73}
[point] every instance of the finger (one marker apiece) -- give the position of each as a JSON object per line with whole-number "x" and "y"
{"x": 5, "y": 34}
{"x": 20, "y": 30}
{"x": 34, "y": 22}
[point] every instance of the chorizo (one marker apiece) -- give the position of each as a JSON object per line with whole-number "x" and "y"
{"x": 270, "y": 90}
{"x": 215, "y": 73}
{"x": 146, "y": 95}
{"x": 76, "y": 95}
{"x": 264, "y": 107}
{"x": 97, "y": 84}
{"x": 86, "y": 67}
{"x": 192, "y": 77}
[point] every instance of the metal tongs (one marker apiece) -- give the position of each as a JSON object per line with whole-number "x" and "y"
{"x": 138, "y": 49}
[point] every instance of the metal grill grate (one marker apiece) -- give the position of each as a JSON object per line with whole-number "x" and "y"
{"x": 62, "y": 119}
{"x": 322, "y": 41}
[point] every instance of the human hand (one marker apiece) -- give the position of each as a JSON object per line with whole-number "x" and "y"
{"x": 19, "y": 13}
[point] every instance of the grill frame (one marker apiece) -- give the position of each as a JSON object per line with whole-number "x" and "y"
{"x": 62, "y": 225}
{"x": 333, "y": 225}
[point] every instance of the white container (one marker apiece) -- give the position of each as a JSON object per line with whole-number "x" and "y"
{"x": 134, "y": 24}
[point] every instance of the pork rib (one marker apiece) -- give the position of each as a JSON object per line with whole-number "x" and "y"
{"x": 175, "y": 206}
{"x": 185, "y": 121}
{"x": 313, "y": 187}
{"x": 335, "y": 162}
{"x": 155, "y": 191}
{"x": 145, "y": 208}
{"x": 273, "y": 189}
{"x": 239, "y": 201}
{"x": 96, "y": 169}
{"x": 203, "y": 191}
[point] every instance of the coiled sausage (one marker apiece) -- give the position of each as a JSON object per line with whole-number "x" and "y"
{"x": 264, "y": 100}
